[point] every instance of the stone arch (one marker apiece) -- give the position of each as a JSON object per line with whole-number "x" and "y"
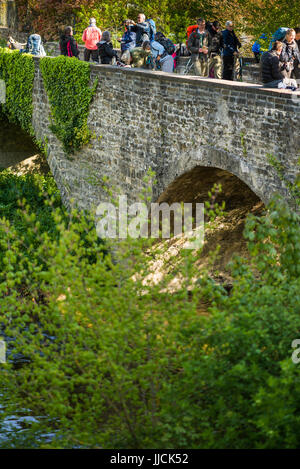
{"x": 193, "y": 186}
{"x": 253, "y": 178}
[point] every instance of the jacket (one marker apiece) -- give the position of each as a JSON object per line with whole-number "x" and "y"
{"x": 91, "y": 35}
{"x": 128, "y": 40}
{"x": 68, "y": 46}
{"x": 142, "y": 31}
{"x": 215, "y": 41}
{"x": 289, "y": 53}
{"x": 270, "y": 67}
{"x": 231, "y": 43}
{"x": 106, "y": 52}
{"x": 195, "y": 42}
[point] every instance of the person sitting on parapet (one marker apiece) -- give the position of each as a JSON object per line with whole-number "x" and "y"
{"x": 91, "y": 36}
{"x": 106, "y": 50}
{"x": 68, "y": 45}
{"x": 231, "y": 45}
{"x": 198, "y": 46}
{"x": 162, "y": 60}
{"x": 128, "y": 42}
{"x": 272, "y": 69}
{"x": 141, "y": 28}
{"x": 290, "y": 55}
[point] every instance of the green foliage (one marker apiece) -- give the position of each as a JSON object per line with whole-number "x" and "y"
{"x": 34, "y": 193}
{"x": 67, "y": 82}
{"x": 293, "y": 187}
{"x": 171, "y": 16}
{"x": 17, "y": 70}
{"x": 103, "y": 357}
{"x": 269, "y": 15}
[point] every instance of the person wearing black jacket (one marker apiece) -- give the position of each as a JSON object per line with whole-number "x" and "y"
{"x": 272, "y": 69}
{"x": 215, "y": 47}
{"x": 105, "y": 48}
{"x": 231, "y": 45}
{"x": 68, "y": 45}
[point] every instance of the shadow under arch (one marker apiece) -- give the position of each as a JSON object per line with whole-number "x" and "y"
{"x": 260, "y": 181}
{"x": 227, "y": 232}
{"x": 15, "y": 144}
{"x": 193, "y": 186}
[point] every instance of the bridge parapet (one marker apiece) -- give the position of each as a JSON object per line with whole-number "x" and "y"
{"x": 171, "y": 123}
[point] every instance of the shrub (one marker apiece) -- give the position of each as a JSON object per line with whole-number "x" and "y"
{"x": 67, "y": 84}
{"x": 17, "y": 70}
{"x": 103, "y": 358}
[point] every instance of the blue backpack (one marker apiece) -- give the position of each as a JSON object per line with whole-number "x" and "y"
{"x": 35, "y": 46}
{"x": 279, "y": 35}
{"x": 152, "y": 29}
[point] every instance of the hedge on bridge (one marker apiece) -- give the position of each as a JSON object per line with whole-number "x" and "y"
{"x": 67, "y": 82}
{"x": 17, "y": 71}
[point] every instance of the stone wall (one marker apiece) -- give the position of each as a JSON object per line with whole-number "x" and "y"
{"x": 172, "y": 124}
{"x": 250, "y": 68}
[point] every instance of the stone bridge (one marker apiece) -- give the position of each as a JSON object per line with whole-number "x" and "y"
{"x": 173, "y": 124}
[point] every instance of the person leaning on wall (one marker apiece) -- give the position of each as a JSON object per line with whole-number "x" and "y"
{"x": 68, "y": 45}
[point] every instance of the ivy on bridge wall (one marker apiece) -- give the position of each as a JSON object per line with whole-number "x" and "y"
{"x": 17, "y": 71}
{"x": 67, "y": 83}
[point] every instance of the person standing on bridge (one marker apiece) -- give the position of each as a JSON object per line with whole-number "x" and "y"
{"x": 91, "y": 36}
{"x": 215, "y": 48}
{"x": 231, "y": 53}
{"x": 68, "y": 45}
{"x": 106, "y": 50}
{"x": 198, "y": 46}
{"x": 290, "y": 55}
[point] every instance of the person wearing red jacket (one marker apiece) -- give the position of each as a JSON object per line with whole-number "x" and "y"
{"x": 91, "y": 36}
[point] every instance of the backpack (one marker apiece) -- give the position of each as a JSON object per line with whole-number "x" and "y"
{"x": 152, "y": 29}
{"x": 190, "y": 30}
{"x": 35, "y": 46}
{"x": 279, "y": 35}
{"x": 165, "y": 42}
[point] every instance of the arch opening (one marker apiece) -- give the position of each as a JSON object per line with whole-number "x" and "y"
{"x": 227, "y": 231}
{"x": 15, "y": 144}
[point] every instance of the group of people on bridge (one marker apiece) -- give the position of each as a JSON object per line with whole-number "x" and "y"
{"x": 280, "y": 67}
{"x": 213, "y": 51}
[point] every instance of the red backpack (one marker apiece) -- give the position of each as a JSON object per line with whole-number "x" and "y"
{"x": 190, "y": 30}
